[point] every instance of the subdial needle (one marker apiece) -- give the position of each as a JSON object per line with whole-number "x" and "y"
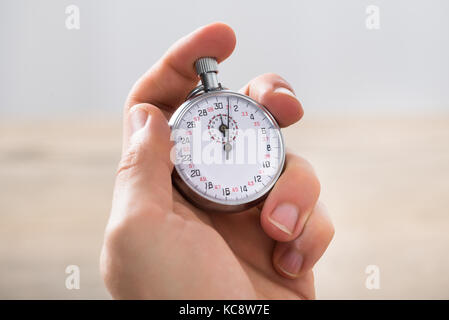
{"x": 222, "y": 128}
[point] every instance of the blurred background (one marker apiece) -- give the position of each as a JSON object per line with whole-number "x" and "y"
{"x": 373, "y": 77}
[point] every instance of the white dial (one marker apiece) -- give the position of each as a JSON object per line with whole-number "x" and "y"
{"x": 228, "y": 149}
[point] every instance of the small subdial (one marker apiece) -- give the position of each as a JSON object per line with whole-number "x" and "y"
{"x": 219, "y": 128}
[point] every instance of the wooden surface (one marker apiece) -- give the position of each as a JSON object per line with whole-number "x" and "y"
{"x": 385, "y": 181}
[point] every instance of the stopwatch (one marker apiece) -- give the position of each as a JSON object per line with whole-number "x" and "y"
{"x": 228, "y": 149}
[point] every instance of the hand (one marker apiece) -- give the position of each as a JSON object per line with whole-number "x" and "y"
{"x": 158, "y": 246}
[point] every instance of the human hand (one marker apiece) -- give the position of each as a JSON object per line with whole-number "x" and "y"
{"x": 158, "y": 246}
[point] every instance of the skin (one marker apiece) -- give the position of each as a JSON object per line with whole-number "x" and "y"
{"x": 158, "y": 246}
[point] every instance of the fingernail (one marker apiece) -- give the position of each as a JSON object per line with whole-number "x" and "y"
{"x": 285, "y": 217}
{"x": 285, "y": 91}
{"x": 138, "y": 118}
{"x": 290, "y": 262}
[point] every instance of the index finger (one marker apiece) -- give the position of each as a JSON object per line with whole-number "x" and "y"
{"x": 167, "y": 83}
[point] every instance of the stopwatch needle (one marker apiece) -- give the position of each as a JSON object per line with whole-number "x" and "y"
{"x": 227, "y": 146}
{"x": 228, "y": 116}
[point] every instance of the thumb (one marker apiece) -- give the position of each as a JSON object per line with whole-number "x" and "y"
{"x": 143, "y": 182}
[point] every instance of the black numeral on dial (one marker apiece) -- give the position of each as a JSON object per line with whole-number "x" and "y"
{"x": 195, "y": 173}
{"x": 190, "y": 124}
{"x": 226, "y": 191}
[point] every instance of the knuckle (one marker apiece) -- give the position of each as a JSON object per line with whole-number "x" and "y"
{"x": 264, "y": 78}
{"x": 108, "y": 265}
{"x": 329, "y": 231}
{"x": 132, "y": 225}
{"x": 116, "y": 235}
{"x": 303, "y": 170}
{"x": 325, "y": 229}
{"x": 270, "y": 76}
{"x": 130, "y": 160}
{"x": 300, "y": 172}
{"x": 118, "y": 238}
{"x": 127, "y": 235}
{"x": 110, "y": 255}
{"x": 276, "y": 79}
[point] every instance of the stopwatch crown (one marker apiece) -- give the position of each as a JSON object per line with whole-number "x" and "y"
{"x": 207, "y": 68}
{"x": 205, "y": 65}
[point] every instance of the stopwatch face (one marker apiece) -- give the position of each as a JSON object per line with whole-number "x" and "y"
{"x": 228, "y": 150}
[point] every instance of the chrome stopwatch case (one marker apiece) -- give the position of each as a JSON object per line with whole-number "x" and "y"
{"x": 228, "y": 149}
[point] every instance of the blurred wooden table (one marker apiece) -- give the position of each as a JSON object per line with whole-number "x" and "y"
{"x": 385, "y": 181}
